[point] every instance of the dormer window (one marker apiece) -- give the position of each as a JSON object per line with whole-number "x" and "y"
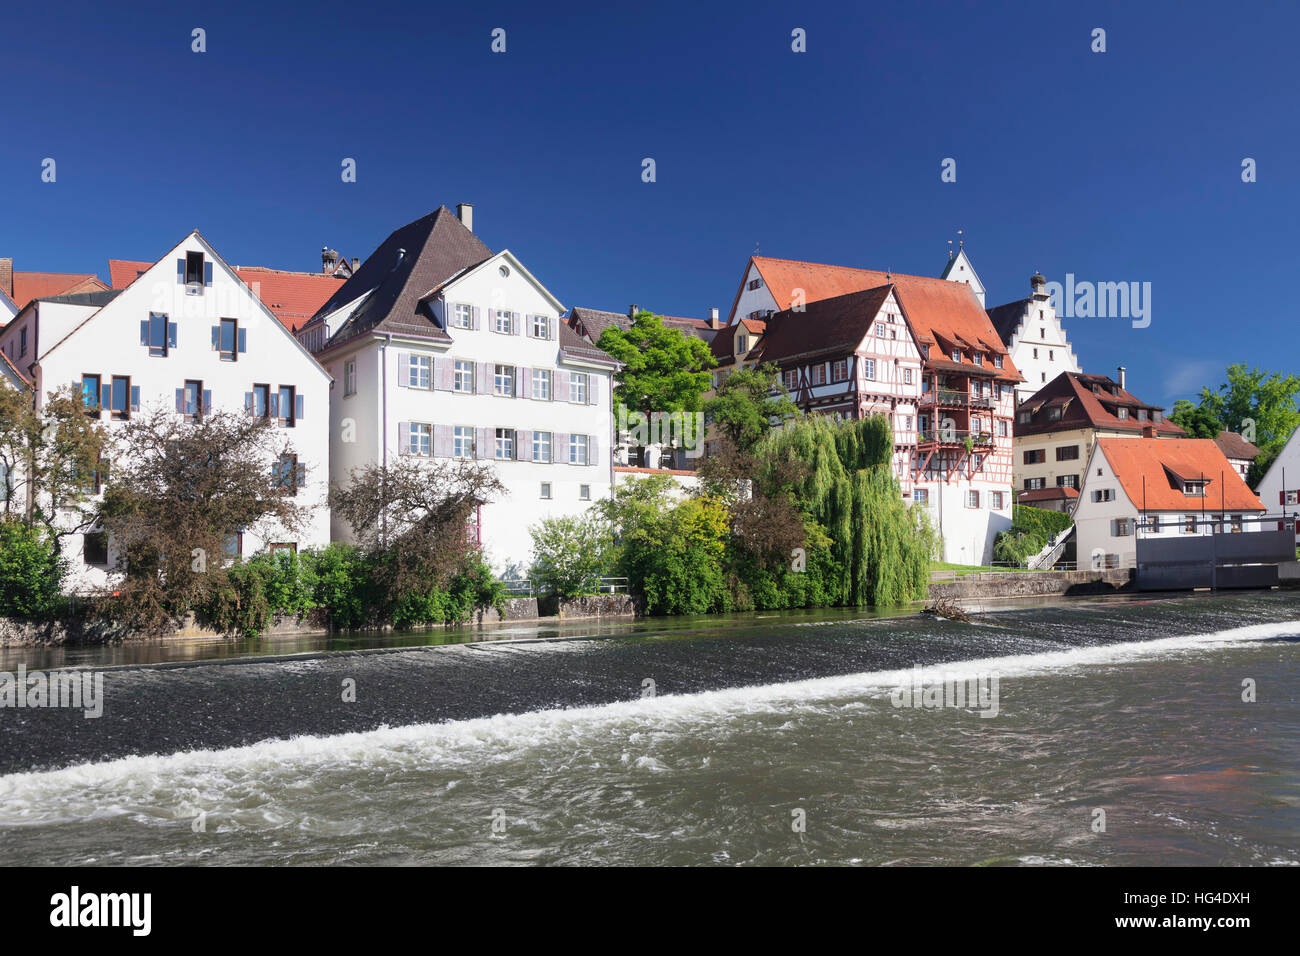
{"x": 1053, "y": 414}
{"x": 1121, "y": 414}
{"x": 979, "y": 359}
{"x": 1157, "y": 417}
{"x": 1142, "y": 414}
{"x": 997, "y": 361}
{"x": 1194, "y": 489}
{"x": 956, "y": 355}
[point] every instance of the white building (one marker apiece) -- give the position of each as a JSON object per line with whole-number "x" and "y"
{"x": 1033, "y": 334}
{"x": 445, "y": 349}
{"x": 960, "y": 269}
{"x": 187, "y": 335}
{"x": 1279, "y": 489}
{"x": 7, "y": 309}
{"x": 1157, "y": 487}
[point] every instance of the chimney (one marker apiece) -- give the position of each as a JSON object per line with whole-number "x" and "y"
{"x": 465, "y": 213}
{"x": 356, "y": 263}
{"x": 328, "y": 260}
{"x": 1121, "y": 376}
{"x": 632, "y": 310}
{"x": 7, "y": 277}
{"x": 714, "y": 321}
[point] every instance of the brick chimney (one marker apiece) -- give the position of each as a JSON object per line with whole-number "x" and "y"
{"x": 465, "y": 213}
{"x": 7, "y": 277}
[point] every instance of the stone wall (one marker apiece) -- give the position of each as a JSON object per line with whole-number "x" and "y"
{"x": 601, "y": 605}
{"x": 995, "y": 584}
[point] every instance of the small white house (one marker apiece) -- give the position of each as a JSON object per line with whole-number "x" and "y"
{"x": 1036, "y": 339}
{"x": 1157, "y": 487}
{"x": 187, "y": 335}
{"x": 1279, "y": 489}
{"x": 445, "y": 349}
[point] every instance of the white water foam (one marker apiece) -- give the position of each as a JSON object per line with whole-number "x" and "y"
{"x": 173, "y": 787}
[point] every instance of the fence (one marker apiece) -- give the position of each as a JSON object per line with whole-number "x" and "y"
{"x": 524, "y": 587}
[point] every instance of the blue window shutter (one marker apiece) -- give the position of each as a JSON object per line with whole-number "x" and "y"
{"x": 135, "y": 398}
{"x": 106, "y": 396}
{"x": 243, "y": 340}
{"x": 297, "y": 412}
{"x": 171, "y": 335}
{"x": 207, "y": 401}
{"x": 144, "y": 332}
{"x": 180, "y": 400}
{"x": 180, "y": 270}
{"x": 248, "y": 402}
{"x": 207, "y": 273}
{"x": 216, "y": 337}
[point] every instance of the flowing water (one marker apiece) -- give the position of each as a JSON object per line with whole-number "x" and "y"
{"x": 769, "y": 741}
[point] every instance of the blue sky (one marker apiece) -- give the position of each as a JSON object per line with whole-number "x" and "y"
{"x": 1115, "y": 166}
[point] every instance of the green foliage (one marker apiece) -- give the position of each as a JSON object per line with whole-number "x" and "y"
{"x": 345, "y": 585}
{"x": 664, "y": 370}
{"x": 31, "y": 572}
{"x": 747, "y": 403}
{"x": 1031, "y": 529}
{"x": 571, "y": 554}
{"x": 675, "y": 559}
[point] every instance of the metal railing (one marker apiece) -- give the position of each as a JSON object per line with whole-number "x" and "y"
{"x": 944, "y": 436}
{"x": 956, "y": 398}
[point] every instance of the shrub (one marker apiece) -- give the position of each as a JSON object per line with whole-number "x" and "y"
{"x": 571, "y": 554}
{"x": 31, "y": 572}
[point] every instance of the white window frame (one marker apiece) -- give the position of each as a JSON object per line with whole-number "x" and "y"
{"x": 578, "y": 385}
{"x": 419, "y": 439}
{"x": 503, "y": 315}
{"x": 503, "y": 439}
{"x": 463, "y": 373}
{"x": 462, "y": 441}
{"x": 462, "y": 316}
{"x": 349, "y": 377}
{"x": 542, "y": 377}
{"x": 542, "y": 442}
{"x": 578, "y": 449}
{"x": 419, "y": 367}
{"x": 503, "y": 380}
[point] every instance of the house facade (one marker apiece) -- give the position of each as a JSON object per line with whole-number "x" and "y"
{"x": 952, "y": 420}
{"x": 1279, "y": 489}
{"x": 444, "y": 349}
{"x": 1033, "y": 333}
{"x": 1239, "y": 452}
{"x": 1057, "y": 427}
{"x": 1147, "y": 487}
{"x": 189, "y": 336}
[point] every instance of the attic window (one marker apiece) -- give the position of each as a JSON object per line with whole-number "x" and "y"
{"x": 1194, "y": 489}
{"x": 194, "y": 268}
{"x": 505, "y": 271}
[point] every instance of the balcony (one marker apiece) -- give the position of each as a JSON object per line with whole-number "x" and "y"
{"x": 954, "y": 438}
{"x": 955, "y": 398}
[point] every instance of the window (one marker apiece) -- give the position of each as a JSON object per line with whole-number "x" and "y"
{"x": 541, "y": 384}
{"x": 462, "y": 316}
{"x": 1035, "y": 456}
{"x": 1067, "y": 453}
{"x": 1290, "y": 497}
{"x": 1002, "y": 428}
{"x": 1189, "y": 524}
{"x": 1035, "y": 484}
{"x": 578, "y": 387}
{"x": 819, "y": 374}
{"x": 921, "y": 496}
{"x": 1157, "y": 416}
{"x": 541, "y": 327}
{"x": 1235, "y": 525}
{"x": 22, "y": 341}
{"x": 1103, "y": 494}
{"x": 1067, "y": 481}
{"x": 350, "y": 377}
{"x": 907, "y": 376}
{"x": 541, "y": 446}
{"x": 286, "y": 473}
{"x": 754, "y": 284}
{"x": 1050, "y": 356}
{"x": 577, "y": 449}
{"x": 157, "y": 334}
{"x": 419, "y": 371}
{"x": 997, "y": 361}
{"x": 1054, "y": 414}
{"x": 1194, "y": 489}
{"x": 505, "y": 444}
{"x": 880, "y": 330}
{"x": 504, "y": 322}
{"x": 1121, "y": 414}
{"x": 194, "y": 268}
{"x": 972, "y": 499}
{"x": 288, "y": 401}
{"x": 283, "y": 547}
{"x": 462, "y": 441}
{"x": 228, "y": 340}
{"x": 869, "y": 369}
{"x": 1142, "y": 414}
{"x": 1025, "y": 416}
{"x": 584, "y": 494}
{"x": 90, "y": 395}
{"x": 192, "y": 401}
{"x": 261, "y": 401}
{"x": 1154, "y": 524}
{"x": 120, "y": 393}
{"x": 503, "y": 380}
{"x": 419, "y": 439}
{"x": 1035, "y": 353}
{"x": 742, "y": 344}
{"x": 956, "y": 355}
{"x": 94, "y": 548}
{"x": 546, "y": 489}
{"x": 463, "y": 378}
{"x": 790, "y": 379}
{"x": 235, "y": 545}
{"x": 979, "y": 358}
{"x": 996, "y": 502}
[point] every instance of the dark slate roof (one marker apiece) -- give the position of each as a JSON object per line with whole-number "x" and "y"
{"x": 438, "y": 247}
{"x": 1085, "y": 401}
{"x": 571, "y": 343}
{"x": 1006, "y": 318}
{"x": 827, "y": 325}
{"x": 1234, "y": 446}
{"x": 594, "y": 322}
{"x": 97, "y": 299}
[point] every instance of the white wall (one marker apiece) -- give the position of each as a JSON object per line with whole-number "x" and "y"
{"x": 1039, "y": 348}
{"x": 1271, "y": 486}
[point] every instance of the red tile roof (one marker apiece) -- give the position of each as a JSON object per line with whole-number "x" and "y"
{"x": 294, "y": 297}
{"x": 942, "y": 314}
{"x": 1047, "y": 494}
{"x": 1158, "y": 460}
{"x": 41, "y": 285}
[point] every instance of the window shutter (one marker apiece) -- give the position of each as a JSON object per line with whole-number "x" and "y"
{"x": 106, "y": 396}
{"x": 243, "y": 340}
{"x": 135, "y": 398}
{"x": 484, "y": 384}
{"x": 1281, "y": 497}
{"x": 403, "y": 438}
{"x": 298, "y": 407}
{"x": 180, "y": 270}
{"x": 560, "y": 383}
{"x": 248, "y": 402}
{"x": 144, "y": 332}
{"x": 444, "y": 374}
{"x": 523, "y": 381}
{"x": 442, "y": 441}
{"x": 591, "y": 449}
{"x": 523, "y": 445}
{"x": 207, "y": 274}
{"x": 474, "y": 321}
{"x": 560, "y": 447}
{"x": 180, "y": 400}
{"x": 171, "y": 335}
{"x": 207, "y": 401}
{"x": 403, "y": 369}
{"x": 216, "y": 337}
{"x": 483, "y": 440}
{"x": 593, "y": 383}
{"x": 516, "y": 323}
{"x": 528, "y": 325}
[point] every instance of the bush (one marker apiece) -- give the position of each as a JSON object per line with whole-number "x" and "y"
{"x": 31, "y": 572}
{"x": 1046, "y": 524}
{"x": 570, "y": 554}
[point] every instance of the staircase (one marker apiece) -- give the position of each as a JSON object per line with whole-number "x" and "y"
{"x": 1052, "y": 553}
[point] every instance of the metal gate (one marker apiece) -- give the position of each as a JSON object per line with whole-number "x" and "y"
{"x": 1246, "y": 559}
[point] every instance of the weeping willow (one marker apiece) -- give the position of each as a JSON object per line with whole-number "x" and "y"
{"x": 880, "y": 548}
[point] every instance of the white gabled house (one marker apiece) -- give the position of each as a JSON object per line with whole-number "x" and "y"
{"x": 1279, "y": 489}
{"x": 447, "y": 350}
{"x": 1036, "y": 339}
{"x": 189, "y": 335}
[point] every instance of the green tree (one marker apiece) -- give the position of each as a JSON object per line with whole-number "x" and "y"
{"x": 31, "y": 571}
{"x": 1258, "y": 403}
{"x": 664, "y": 370}
{"x": 571, "y": 553}
{"x": 1197, "y": 419}
{"x": 748, "y": 403}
